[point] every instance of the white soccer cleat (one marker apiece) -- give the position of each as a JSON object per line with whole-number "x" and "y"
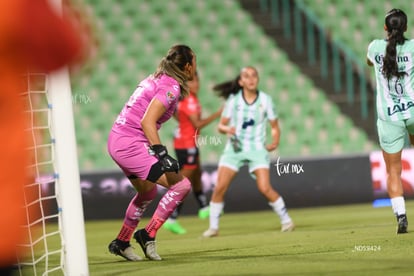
{"x": 127, "y": 253}
{"x": 151, "y": 251}
{"x": 209, "y": 233}
{"x": 288, "y": 227}
{"x": 147, "y": 244}
{"x": 130, "y": 255}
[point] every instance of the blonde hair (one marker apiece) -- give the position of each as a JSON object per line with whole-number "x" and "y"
{"x": 173, "y": 64}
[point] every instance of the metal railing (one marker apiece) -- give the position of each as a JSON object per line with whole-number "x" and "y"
{"x": 347, "y": 70}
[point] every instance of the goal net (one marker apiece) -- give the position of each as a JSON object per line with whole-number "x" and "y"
{"x": 55, "y": 227}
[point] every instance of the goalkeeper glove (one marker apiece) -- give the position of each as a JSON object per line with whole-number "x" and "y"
{"x": 168, "y": 163}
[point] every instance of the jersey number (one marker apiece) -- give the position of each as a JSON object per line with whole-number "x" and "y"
{"x": 137, "y": 93}
{"x": 396, "y": 86}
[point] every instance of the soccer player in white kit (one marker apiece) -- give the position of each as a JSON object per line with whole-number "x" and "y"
{"x": 244, "y": 118}
{"x": 393, "y": 61}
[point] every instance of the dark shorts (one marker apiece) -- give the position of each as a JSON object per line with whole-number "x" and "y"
{"x": 188, "y": 158}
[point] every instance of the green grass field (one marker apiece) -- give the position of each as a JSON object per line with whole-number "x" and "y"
{"x": 339, "y": 240}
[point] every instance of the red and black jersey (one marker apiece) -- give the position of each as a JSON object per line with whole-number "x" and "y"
{"x": 186, "y": 134}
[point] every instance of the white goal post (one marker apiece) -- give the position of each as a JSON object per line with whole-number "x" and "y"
{"x": 68, "y": 189}
{"x": 56, "y": 240}
{"x": 66, "y": 164}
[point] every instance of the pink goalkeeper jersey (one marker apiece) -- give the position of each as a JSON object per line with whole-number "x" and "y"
{"x": 164, "y": 88}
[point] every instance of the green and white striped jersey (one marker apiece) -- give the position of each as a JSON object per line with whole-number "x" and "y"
{"x": 250, "y": 120}
{"x": 395, "y": 97}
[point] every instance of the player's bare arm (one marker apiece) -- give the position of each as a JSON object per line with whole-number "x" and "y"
{"x": 149, "y": 122}
{"x": 275, "y": 132}
{"x": 200, "y": 123}
{"x": 224, "y": 128}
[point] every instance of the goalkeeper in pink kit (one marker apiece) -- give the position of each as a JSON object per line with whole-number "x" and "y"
{"x": 134, "y": 144}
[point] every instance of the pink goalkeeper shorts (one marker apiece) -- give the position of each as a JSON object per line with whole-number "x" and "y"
{"x": 131, "y": 155}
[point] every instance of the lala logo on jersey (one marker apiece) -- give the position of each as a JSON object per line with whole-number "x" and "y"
{"x": 400, "y": 107}
{"x": 170, "y": 96}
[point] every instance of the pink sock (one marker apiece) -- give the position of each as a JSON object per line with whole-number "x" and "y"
{"x": 172, "y": 198}
{"x": 134, "y": 213}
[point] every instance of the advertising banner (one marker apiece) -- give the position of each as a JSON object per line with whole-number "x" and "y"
{"x": 313, "y": 182}
{"x": 379, "y": 173}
